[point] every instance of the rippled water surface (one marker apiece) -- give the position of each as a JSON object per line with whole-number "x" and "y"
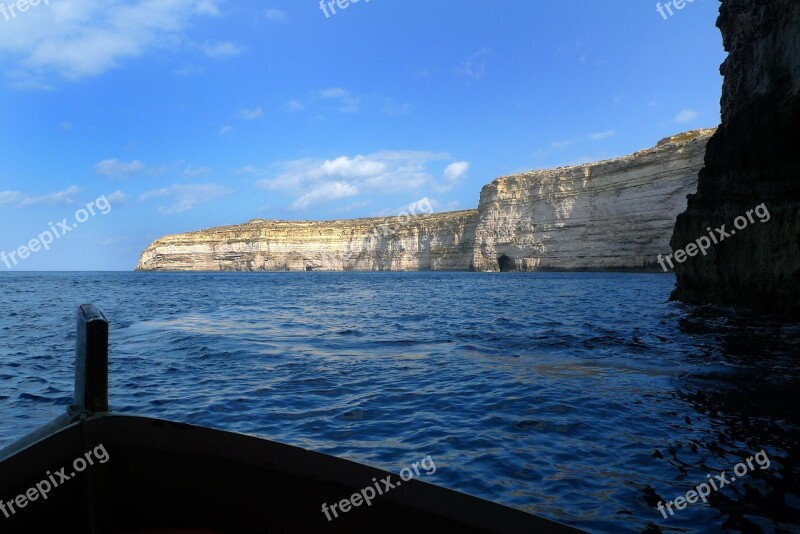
{"x": 582, "y": 397}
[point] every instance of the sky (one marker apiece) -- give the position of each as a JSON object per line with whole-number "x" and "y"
{"x": 124, "y": 121}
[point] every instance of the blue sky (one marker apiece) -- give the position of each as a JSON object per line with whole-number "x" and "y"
{"x": 187, "y": 114}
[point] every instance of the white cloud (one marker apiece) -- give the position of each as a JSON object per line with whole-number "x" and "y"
{"x": 21, "y": 200}
{"x": 10, "y": 198}
{"x": 456, "y": 171}
{"x": 475, "y": 66}
{"x": 192, "y": 171}
{"x": 390, "y": 108}
{"x": 52, "y": 199}
{"x": 558, "y": 145}
{"x": 251, "y": 114}
{"x": 452, "y": 176}
{"x": 325, "y": 192}
{"x": 355, "y": 167}
{"x": 221, "y": 50}
{"x": 225, "y": 130}
{"x": 348, "y": 102}
{"x": 599, "y": 136}
{"x": 316, "y": 181}
{"x": 117, "y": 197}
{"x": 686, "y": 115}
{"x": 207, "y": 7}
{"x": 295, "y": 105}
{"x": 113, "y": 168}
{"x": 553, "y": 147}
{"x": 185, "y": 196}
{"x": 79, "y": 38}
{"x": 189, "y": 70}
{"x": 275, "y": 15}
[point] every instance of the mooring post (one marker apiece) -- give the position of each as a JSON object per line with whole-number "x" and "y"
{"x": 91, "y": 362}
{"x": 91, "y": 379}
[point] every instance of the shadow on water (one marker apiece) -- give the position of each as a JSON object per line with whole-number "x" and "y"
{"x": 750, "y": 403}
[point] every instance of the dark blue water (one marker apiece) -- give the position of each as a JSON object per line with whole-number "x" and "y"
{"x": 582, "y": 397}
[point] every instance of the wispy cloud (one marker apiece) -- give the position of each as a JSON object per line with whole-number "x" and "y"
{"x": 118, "y": 197}
{"x": 295, "y": 105}
{"x": 275, "y": 15}
{"x": 599, "y": 136}
{"x": 553, "y": 147}
{"x": 74, "y": 39}
{"x": 10, "y": 198}
{"x": 347, "y": 101}
{"x": 184, "y": 197}
{"x": 192, "y": 172}
{"x": 189, "y": 70}
{"x": 22, "y": 200}
{"x": 325, "y": 192}
{"x": 251, "y": 114}
{"x": 116, "y": 169}
{"x": 344, "y": 100}
{"x": 225, "y": 130}
{"x": 686, "y": 115}
{"x": 392, "y": 108}
{"x": 207, "y": 7}
{"x": 475, "y": 66}
{"x": 563, "y": 144}
{"x": 221, "y": 50}
{"x": 558, "y": 145}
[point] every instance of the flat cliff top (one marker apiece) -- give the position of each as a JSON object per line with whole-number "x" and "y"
{"x": 667, "y": 144}
{"x": 259, "y": 225}
{"x": 256, "y": 229}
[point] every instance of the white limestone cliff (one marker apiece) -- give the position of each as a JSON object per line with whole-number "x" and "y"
{"x": 615, "y": 214}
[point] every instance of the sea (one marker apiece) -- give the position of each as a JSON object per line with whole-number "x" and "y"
{"x": 584, "y": 398}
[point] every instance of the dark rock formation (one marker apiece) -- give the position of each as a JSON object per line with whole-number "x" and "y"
{"x": 753, "y": 158}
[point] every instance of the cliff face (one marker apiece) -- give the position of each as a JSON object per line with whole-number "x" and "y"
{"x": 614, "y": 214}
{"x": 752, "y": 159}
{"x": 421, "y": 242}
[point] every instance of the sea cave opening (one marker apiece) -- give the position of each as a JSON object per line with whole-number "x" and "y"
{"x": 506, "y": 264}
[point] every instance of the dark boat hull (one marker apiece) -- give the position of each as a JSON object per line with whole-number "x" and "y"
{"x": 165, "y": 475}
{"x": 150, "y": 475}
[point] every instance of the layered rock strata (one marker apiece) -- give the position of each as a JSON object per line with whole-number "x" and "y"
{"x": 615, "y": 214}
{"x": 753, "y": 158}
{"x": 440, "y": 242}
